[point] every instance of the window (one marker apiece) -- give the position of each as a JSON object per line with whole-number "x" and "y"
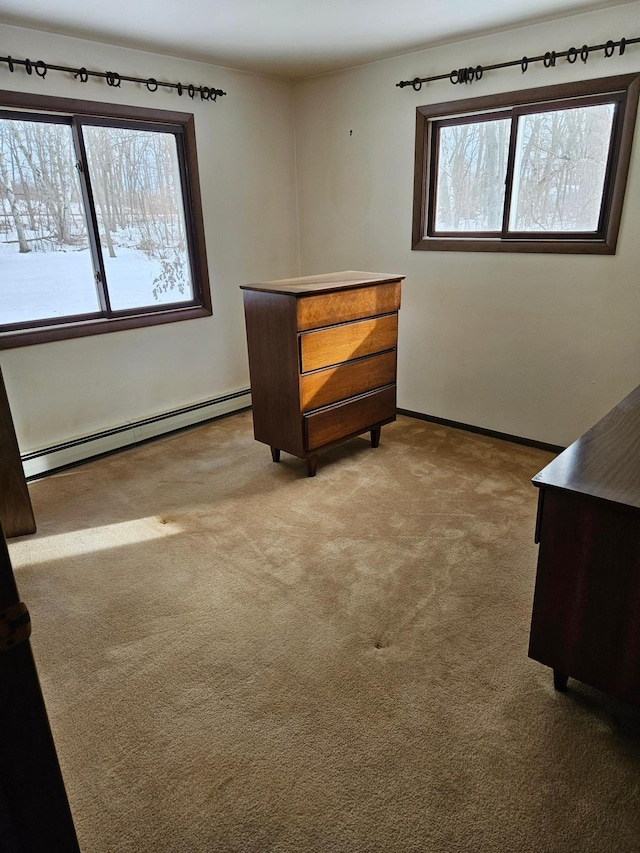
{"x": 100, "y": 220}
{"x": 542, "y": 170}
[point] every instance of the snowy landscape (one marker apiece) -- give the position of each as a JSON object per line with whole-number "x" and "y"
{"x": 46, "y": 265}
{"x": 39, "y": 285}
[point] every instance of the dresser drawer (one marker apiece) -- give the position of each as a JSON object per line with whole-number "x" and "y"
{"x": 350, "y": 417}
{"x": 342, "y": 306}
{"x": 346, "y": 380}
{"x": 343, "y": 343}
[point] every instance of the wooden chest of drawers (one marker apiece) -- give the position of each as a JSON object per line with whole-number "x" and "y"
{"x": 322, "y": 359}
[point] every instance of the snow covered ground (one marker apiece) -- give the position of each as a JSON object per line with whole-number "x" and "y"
{"x": 37, "y": 285}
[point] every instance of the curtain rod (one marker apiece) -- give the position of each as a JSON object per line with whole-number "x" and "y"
{"x": 471, "y": 73}
{"x": 113, "y": 78}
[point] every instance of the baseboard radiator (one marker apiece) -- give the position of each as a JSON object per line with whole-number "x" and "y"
{"x": 45, "y": 461}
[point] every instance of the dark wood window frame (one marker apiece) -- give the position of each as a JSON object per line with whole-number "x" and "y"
{"x": 183, "y": 126}
{"x": 624, "y": 89}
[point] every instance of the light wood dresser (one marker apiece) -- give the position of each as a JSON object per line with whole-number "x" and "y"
{"x": 322, "y": 359}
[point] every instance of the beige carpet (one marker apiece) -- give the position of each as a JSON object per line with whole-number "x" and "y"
{"x": 238, "y": 658}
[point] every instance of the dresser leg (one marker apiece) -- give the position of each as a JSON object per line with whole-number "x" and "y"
{"x": 312, "y": 462}
{"x": 560, "y": 681}
{"x": 275, "y": 454}
{"x": 375, "y": 436}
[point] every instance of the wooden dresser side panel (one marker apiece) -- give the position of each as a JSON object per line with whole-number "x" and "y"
{"x": 16, "y": 512}
{"x": 585, "y": 620}
{"x": 272, "y": 344}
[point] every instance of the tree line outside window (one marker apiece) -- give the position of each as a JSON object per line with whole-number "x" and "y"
{"x": 540, "y": 170}
{"x": 96, "y": 224}
{"x": 559, "y": 170}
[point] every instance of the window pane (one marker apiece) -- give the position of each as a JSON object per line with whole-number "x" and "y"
{"x": 45, "y": 265}
{"x": 472, "y": 165}
{"x": 138, "y": 200}
{"x": 561, "y": 160}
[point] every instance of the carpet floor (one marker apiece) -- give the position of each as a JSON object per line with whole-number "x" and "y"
{"x": 239, "y": 659}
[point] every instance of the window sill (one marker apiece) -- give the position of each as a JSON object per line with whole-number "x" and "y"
{"x": 566, "y": 247}
{"x": 99, "y": 326}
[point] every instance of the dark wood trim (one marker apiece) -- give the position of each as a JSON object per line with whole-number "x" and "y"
{"x": 491, "y": 433}
{"x": 183, "y": 124}
{"x": 420, "y": 184}
{"x": 558, "y": 91}
{"x": 626, "y": 87}
{"x": 619, "y": 183}
{"x": 472, "y": 244}
{"x": 16, "y": 512}
{"x": 30, "y": 101}
{"x": 197, "y": 222}
{"x": 97, "y": 327}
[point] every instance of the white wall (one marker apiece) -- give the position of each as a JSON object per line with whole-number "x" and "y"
{"x": 538, "y": 346}
{"x": 533, "y": 345}
{"x": 245, "y": 141}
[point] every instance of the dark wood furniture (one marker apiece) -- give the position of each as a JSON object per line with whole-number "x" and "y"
{"x": 586, "y": 609}
{"x": 34, "y": 809}
{"x": 16, "y": 513}
{"x": 322, "y": 359}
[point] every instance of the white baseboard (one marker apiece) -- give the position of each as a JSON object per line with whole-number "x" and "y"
{"x": 48, "y": 459}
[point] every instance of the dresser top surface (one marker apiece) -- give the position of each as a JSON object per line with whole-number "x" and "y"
{"x": 311, "y": 284}
{"x": 605, "y": 461}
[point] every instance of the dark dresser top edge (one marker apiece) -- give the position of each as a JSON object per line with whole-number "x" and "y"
{"x": 314, "y": 284}
{"x": 604, "y": 462}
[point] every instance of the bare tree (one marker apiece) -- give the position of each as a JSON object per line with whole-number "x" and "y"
{"x": 13, "y": 206}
